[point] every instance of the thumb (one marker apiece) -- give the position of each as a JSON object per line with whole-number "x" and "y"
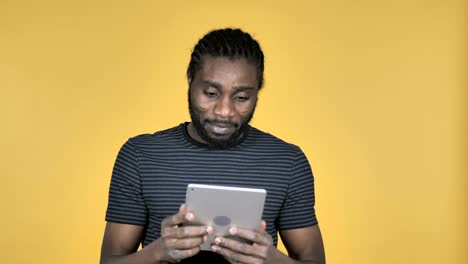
{"x": 183, "y": 212}
{"x": 182, "y": 209}
{"x": 262, "y": 227}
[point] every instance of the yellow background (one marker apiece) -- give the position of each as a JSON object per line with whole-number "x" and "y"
{"x": 373, "y": 91}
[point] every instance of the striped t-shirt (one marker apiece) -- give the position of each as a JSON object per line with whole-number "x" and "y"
{"x": 152, "y": 171}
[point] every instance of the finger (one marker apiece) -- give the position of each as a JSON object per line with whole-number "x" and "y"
{"x": 182, "y": 209}
{"x": 188, "y": 243}
{"x": 262, "y": 227}
{"x": 177, "y": 255}
{"x": 177, "y": 219}
{"x": 174, "y": 220}
{"x": 187, "y": 231}
{"x": 240, "y": 247}
{"x": 250, "y": 235}
{"x": 233, "y": 256}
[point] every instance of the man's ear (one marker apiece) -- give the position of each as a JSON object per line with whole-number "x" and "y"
{"x": 189, "y": 79}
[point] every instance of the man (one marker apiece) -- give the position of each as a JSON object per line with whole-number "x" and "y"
{"x": 219, "y": 147}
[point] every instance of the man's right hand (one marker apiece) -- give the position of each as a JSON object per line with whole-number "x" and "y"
{"x": 177, "y": 241}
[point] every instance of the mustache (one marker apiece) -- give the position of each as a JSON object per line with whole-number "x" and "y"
{"x": 224, "y": 123}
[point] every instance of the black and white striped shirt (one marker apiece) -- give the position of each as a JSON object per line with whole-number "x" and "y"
{"x": 152, "y": 171}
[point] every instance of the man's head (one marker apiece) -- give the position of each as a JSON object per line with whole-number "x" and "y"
{"x": 229, "y": 43}
{"x": 225, "y": 74}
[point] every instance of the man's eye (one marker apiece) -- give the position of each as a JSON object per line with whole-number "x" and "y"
{"x": 210, "y": 94}
{"x": 242, "y": 98}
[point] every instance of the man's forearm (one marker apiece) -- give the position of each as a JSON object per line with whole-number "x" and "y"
{"x": 281, "y": 258}
{"x": 148, "y": 255}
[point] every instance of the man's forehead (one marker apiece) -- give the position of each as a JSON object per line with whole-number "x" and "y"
{"x": 217, "y": 60}
{"x": 237, "y": 67}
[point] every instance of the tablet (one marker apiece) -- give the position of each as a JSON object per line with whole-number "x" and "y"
{"x": 223, "y": 207}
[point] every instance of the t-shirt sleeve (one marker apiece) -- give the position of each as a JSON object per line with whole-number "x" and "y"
{"x": 126, "y": 204}
{"x": 298, "y": 210}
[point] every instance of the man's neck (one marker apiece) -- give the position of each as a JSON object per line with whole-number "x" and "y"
{"x": 192, "y": 132}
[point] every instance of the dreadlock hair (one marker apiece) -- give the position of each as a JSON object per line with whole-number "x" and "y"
{"x": 230, "y": 43}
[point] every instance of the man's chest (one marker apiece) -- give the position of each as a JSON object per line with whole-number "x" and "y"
{"x": 165, "y": 179}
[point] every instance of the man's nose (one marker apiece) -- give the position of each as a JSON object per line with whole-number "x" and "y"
{"x": 224, "y": 107}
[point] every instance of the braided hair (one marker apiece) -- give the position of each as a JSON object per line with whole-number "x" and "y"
{"x": 230, "y": 43}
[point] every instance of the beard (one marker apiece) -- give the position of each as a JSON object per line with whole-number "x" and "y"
{"x": 223, "y": 143}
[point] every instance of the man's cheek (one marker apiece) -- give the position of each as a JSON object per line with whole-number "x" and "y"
{"x": 245, "y": 113}
{"x": 203, "y": 108}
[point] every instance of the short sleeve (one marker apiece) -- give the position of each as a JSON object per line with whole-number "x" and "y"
{"x": 126, "y": 204}
{"x": 298, "y": 210}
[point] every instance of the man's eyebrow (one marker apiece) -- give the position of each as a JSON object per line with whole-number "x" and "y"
{"x": 236, "y": 89}
{"x": 214, "y": 84}
{"x": 242, "y": 88}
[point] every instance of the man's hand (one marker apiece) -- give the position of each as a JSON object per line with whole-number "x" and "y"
{"x": 261, "y": 250}
{"x": 178, "y": 242}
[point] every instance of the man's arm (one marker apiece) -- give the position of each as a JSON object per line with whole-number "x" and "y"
{"x": 120, "y": 245}
{"x": 121, "y": 241}
{"x": 304, "y": 244}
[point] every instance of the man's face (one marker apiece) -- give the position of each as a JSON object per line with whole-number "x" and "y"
{"x": 222, "y": 99}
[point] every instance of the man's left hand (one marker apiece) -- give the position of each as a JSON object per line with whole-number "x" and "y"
{"x": 260, "y": 250}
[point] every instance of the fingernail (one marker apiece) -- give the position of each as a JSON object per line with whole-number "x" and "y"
{"x": 217, "y": 240}
{"x": 214, "y": 248}
{"x": 189, "y": 216}
{"x": 209, "y": 229}
{"x": 232, "y": 230}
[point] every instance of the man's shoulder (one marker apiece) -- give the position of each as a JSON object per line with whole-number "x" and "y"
{"x": 262, "y": 138}
{"x": 167, "y": 136}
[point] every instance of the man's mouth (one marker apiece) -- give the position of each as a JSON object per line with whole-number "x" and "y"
{"x": 221, "y": 128}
